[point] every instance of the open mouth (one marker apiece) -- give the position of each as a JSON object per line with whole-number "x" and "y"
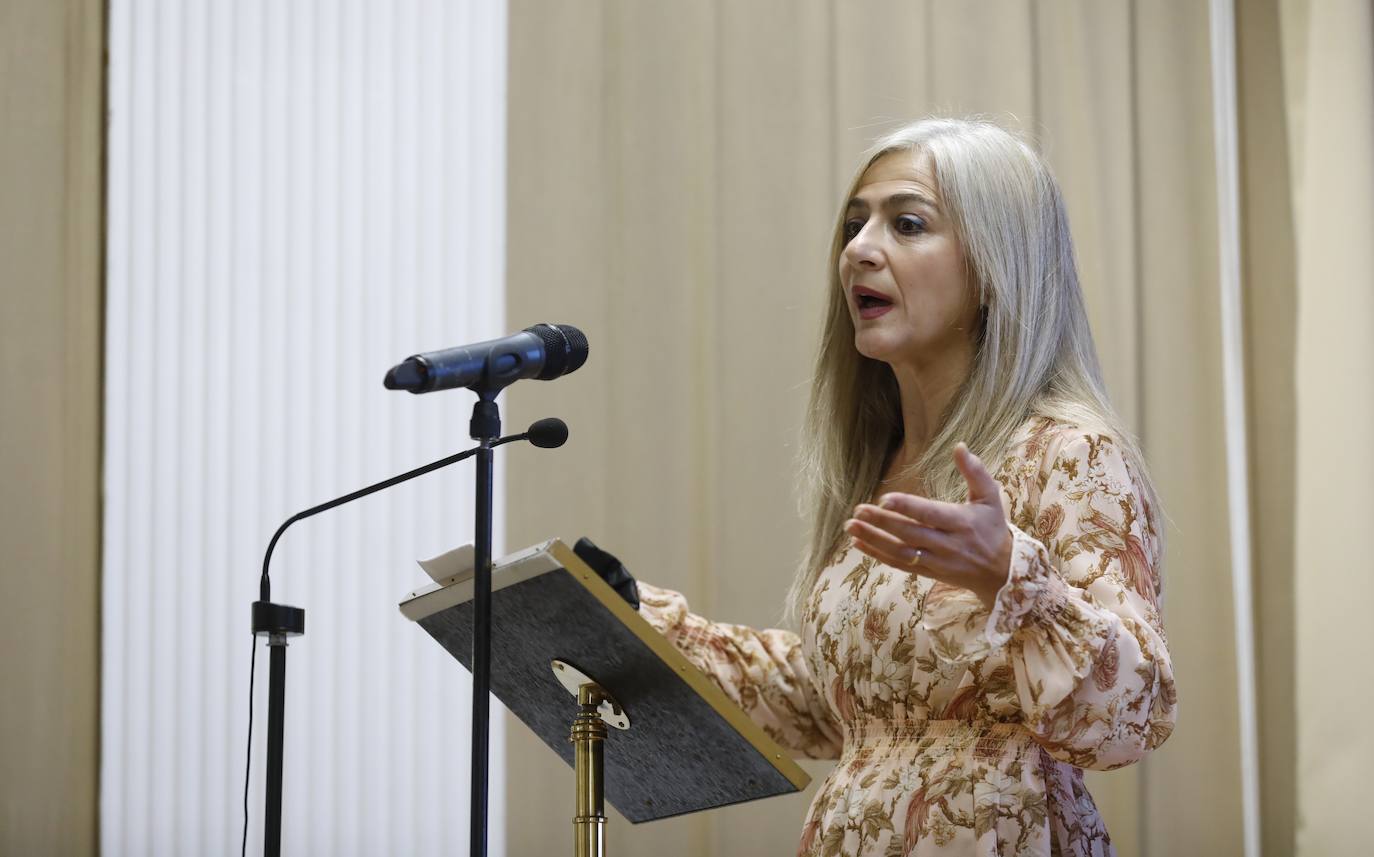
{"x": 870, "y": 303}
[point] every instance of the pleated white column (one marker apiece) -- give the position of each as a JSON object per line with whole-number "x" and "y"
{"x": 300, "y": 194}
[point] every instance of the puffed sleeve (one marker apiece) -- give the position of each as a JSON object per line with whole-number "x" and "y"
{"x": 763, "y": 672}
{"x": 1079, "y": 615}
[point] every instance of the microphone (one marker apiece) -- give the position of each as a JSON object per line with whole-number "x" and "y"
{"x": 548, "y": 433}
{"x": 542, "y": 352}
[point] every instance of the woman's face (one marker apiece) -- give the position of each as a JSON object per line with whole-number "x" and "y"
{"x": 902, "y": 268}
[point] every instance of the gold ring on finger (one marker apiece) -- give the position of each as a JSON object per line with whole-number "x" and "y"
{"x": 916, "y": 560}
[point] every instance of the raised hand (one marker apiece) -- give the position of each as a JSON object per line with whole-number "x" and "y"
{"x": 959, "y": 544}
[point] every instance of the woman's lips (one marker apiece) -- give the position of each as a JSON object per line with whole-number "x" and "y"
{"x": 870, "y": 303}
{"x": 874, "y": 311}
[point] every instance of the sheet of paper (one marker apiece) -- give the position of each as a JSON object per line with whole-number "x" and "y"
{"x": 444, "y": 567}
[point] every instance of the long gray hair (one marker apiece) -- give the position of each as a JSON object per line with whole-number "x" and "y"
{"x": 1034, "y": 354}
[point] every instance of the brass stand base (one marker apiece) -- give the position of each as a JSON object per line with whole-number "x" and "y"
{"x": 596, "y": 708}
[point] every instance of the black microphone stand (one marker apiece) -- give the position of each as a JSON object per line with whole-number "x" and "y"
{"x": 487, "y": 369}
{"x": 277, "y": 622}
{"x": 484, "y": 428}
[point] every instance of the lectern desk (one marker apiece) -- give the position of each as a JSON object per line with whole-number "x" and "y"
{"x": 687, "y": 747}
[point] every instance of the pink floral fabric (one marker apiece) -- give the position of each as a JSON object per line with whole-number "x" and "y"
{"x": 959, "y": 729}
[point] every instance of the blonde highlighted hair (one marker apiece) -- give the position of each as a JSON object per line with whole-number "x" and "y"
{"x": 1034, "y": 354}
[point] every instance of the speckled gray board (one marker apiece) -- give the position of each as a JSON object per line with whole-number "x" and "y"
{"x": 678, "y": 756}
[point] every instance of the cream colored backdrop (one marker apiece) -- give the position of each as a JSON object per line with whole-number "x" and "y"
{"x": 674, "y": 171}
{"x": 1307, "y": 110}
{"x": 1334, "y": 193}
{"x": 51, "y": 151}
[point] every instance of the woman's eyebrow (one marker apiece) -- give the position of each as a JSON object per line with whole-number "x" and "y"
{"x": 896, "y": 200}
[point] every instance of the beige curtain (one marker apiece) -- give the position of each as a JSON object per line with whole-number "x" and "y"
{"x": 1306, "y": 79}
{"x": 1269, "y": 295}
{"x": 1334, "y": 190}
{"x": 51, "y": 87}
{"x": 674, "y": 171}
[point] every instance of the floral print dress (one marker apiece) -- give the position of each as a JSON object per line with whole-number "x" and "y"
{"x": 962, "y": 730}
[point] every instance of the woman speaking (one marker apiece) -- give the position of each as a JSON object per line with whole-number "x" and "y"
{"x": 979, "y": 596}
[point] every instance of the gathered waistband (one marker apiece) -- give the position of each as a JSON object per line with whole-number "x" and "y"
{"x": 872, "y": 730}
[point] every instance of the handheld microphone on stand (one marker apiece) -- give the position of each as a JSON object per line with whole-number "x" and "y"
{"x": 277, "y": 622}
{"x": 543, "y": 352}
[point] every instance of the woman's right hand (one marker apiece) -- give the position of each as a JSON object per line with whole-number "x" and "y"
{"x": 610, "y": 569}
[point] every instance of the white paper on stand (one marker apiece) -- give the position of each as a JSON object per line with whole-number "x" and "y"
{"x": 443, "y": 568}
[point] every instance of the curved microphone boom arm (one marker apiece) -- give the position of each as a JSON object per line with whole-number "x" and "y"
{"x": 547, "y": 433}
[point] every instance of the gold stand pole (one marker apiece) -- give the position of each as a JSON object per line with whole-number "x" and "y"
{"x": 596, "y": 709}
{"x": 588, "y": 737}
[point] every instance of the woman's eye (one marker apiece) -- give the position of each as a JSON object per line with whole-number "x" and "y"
{"x": 852, "y": 228}
{"x": 908, "y": 225}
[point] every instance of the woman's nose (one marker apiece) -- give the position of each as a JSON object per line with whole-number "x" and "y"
{"x": 863, "y": 251}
